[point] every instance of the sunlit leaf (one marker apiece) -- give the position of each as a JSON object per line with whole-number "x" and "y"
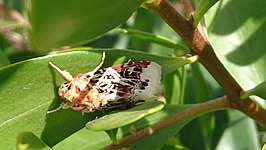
{"x": 259, "y": 90}
{"x": 202, "y": 8}
{"x": 239, "y": 124}
{"x": 66, "y": 23}
{"x": 264, "y": 147}
{"x": 29, "y": 141}
{"x": 237, "y": 35}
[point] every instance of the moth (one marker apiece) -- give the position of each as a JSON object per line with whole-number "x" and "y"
{"x": 116, "y": 87}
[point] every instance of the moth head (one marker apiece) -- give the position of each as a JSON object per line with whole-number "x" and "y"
{"x": 64, "y": 88}
{"x": 74, "y": 89}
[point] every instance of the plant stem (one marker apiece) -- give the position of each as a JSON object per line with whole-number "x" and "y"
{"x": 216, "y": 104}
{"x": 199, "y": 45}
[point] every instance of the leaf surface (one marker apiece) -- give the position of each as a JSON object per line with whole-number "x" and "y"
{"x": 28, "y": 90}
{"x": 237, "y": 33}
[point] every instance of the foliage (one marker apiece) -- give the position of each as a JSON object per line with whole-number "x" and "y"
{"x": 73, "y": 35}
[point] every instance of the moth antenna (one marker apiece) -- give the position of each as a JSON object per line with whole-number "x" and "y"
{"x": 129, "y": 61}
{"x": 98, "y": 66}
{"x": 101, "y": 63}
{"x": 54, "y": 110}
{"x": 66, "y": 75}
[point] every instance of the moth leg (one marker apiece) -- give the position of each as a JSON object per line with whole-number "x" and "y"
{"x": 62, "y": 106}
{"x": 66, "y": 75}
{"x": 98, "y": 66}
{"x": 54, "y": 110}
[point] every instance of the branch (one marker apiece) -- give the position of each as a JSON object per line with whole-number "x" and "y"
{"x": 199, "y": 45}
{"x": 217, "y": 104}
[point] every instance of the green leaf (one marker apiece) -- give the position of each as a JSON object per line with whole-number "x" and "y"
{"x": 3, "y": 59}
{"x": 161, "y": 137}
{"x": 259, "y": 90}
{"x": 239, "y": 124}
{"x": 202, "y": 8}
{"x": 29, "y": 141}
{"x": 175, "y": 85}
{"x": 112, "y": 135}
{"x": 66, "y": 23}
{"x": 205, "y": 131}
{"x": 84, "y": 139}
{"x": 125, "y": 117}
{"x": 168, "y": 64}
{"x": 181, "y": 50}
{"x": 199, "y": 83}
{"x": 237, "y": 34}
{"x": 264, "y": 147}
{"x": 87, "y": 139}
{"x": 141, "y": 20}
{"x": 206, "y": 122}
{"x": 28, "y": 90}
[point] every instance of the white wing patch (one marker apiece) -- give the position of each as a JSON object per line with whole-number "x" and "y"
{"x": 153, "y": 74}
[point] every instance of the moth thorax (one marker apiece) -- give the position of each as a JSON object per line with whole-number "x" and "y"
{"x": 80, "y": 95}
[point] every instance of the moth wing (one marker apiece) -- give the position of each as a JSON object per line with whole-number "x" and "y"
{"x": 152, "y": 74}
{"x": 129, "y": 82}
{"x": 106, "y": 82}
